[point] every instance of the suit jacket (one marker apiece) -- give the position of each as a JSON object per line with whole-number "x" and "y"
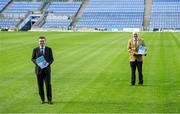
{"x": 48, "y": 55}
{"x": 133, "y": 56}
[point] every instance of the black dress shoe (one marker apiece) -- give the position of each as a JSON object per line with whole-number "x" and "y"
{"x": 42, "y": 102}
{"x": 49, "y": 102}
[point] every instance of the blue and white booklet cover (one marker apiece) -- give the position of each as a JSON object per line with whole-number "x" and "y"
{"x": 142, "y": 50}
{"x": 41, "y": 62}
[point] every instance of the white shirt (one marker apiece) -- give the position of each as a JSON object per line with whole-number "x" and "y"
{"x": 42, "y": 49}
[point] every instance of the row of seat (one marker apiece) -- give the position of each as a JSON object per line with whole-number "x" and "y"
{"x": 113, "y": 13}
{"x": 7, "y": 23}
{"x": 165, "y": 14}
{"x": 107, "y": 26}
{"x": 61, "y": 8}
{"x": 24, "y": 7}
{"x": 3, "y": 3}
{"x": 65, "y": 8}
{"x": 54, "y": 24}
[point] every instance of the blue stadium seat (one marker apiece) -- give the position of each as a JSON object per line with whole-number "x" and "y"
{"x": 59, "y": 9}
{"x": 24, "y": 7}
{"x": 165, "y": 14}
{"x": 113, "y": 14}
{"x": 8, "y": 23}
{"x": 69, "y": 8}
{"x": 3, "y": 3}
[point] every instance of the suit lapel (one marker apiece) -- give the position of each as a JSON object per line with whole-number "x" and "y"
{"x": 138, "y": 42}
{"x": 38, "y": 51}
{"x": 45, "y": 51}
{"x": 133, "y": 42}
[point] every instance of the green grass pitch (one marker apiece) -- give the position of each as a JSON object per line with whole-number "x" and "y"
{"x": 91, "y": 73}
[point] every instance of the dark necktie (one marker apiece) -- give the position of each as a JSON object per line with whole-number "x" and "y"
{"x": 135, "y": 40}
{"x": 42, "y": 51}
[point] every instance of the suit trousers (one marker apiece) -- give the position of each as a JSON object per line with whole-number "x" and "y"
{"x": 134, "y": 65}
{"x": 42, "y": 78}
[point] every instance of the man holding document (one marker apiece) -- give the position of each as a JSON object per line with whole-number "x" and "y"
{"x": 136, "y": 49}
{"x": 42, "y": 57}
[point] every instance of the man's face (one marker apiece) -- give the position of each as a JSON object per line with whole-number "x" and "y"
{"x": 135, "y": 35}
{"x": 41, "y": 42}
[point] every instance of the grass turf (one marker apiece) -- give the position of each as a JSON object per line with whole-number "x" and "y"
{"x": 91, "y": 73}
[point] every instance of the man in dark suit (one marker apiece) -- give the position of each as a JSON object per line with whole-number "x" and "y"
{"x": 43, "y": 75}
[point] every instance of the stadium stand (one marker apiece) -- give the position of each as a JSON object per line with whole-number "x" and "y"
{"x": 16, "y": 13}
{"x": 165, "y": 15}
{"x": 8, "y": 23}
{"x": 57, "y": 14}
{"x": 69, "y": 8}
{"x": 24, "y": 7}
{"x": 61, "y": 14}
{"x": 110, "y": 15}
{"x": 3, "y": 3}
{"x": 57, "y": 21}
{"x": 113, "y": 14}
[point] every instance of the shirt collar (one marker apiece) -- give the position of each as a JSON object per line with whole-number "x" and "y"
{"x": 135, "y": 39}
{"x": 42, "y": 47}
